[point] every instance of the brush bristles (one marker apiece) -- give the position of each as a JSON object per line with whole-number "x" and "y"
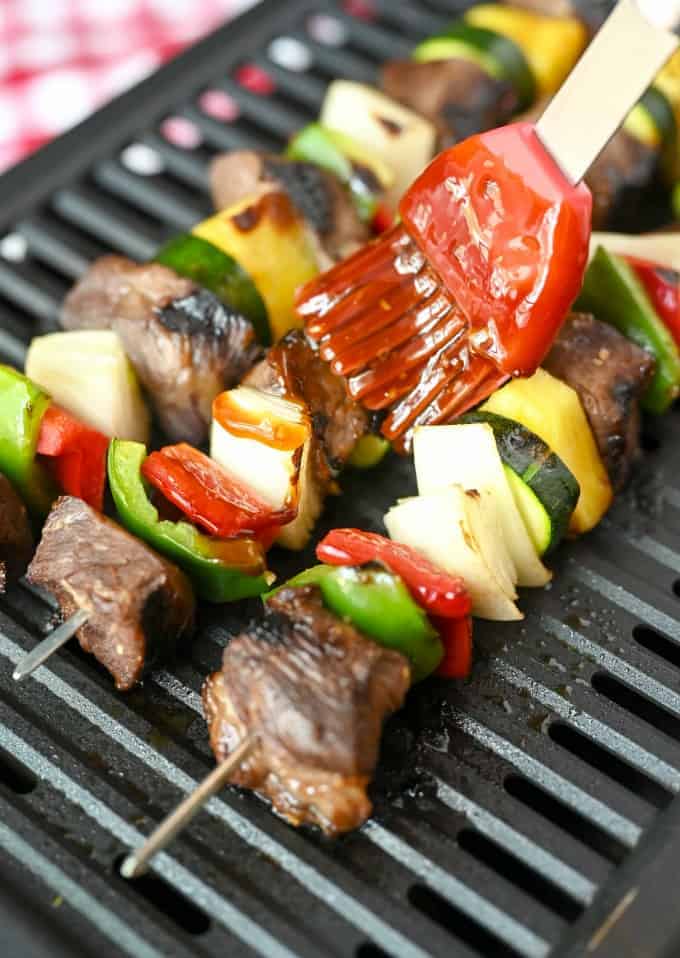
{"x": 385, "y": 322}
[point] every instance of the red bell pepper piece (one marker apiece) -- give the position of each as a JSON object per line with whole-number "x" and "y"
{"x": 436, "y": 591}
{"x": 456, "y": 636}
{"x": 210, "y": 497}
{"x": 75, "y": 455}
{"x": 663, "y": 288}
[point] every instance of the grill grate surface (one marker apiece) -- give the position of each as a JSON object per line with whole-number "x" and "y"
{"x": 526, "y": 813}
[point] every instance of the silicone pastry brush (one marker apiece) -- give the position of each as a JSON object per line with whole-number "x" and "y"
{"x": 472, "y": 286}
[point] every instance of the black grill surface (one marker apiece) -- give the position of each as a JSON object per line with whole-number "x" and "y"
{"x": 528, "y": 812}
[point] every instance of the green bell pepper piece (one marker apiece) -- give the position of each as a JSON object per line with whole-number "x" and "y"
{"x": 22, "y": 406}
{"x": 196, "y": 258}
{"x": 378, "y": 603}
{"x": 613, "y": 293}
{"x": 211, "y": 564}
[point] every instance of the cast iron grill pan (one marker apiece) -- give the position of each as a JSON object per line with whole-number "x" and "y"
{"x": 528, "y": 812}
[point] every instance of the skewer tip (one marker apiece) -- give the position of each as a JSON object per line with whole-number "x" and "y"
{"x": 132, "y": 867}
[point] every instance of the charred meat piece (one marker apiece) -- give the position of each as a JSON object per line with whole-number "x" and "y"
{"x": 186, "y": 346}
{"x": 16, "y": 539}
{"x": 320, "y": 198}
{"x": 316, "y": 692}
{"x": 458, "y": 96}
{"x": 618, "y": 177}
{"x": 621, "y": 173}
{"x": 293, "y": 368}
{"x": 610, "y": 374}
{"x": 139, "y": 604}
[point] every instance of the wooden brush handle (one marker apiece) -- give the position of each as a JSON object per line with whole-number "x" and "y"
{"x": 606, "y": 83}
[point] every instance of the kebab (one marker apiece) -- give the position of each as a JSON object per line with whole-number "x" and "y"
{"x": 296, "y": 711}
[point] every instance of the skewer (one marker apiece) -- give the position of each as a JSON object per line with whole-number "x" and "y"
{"x": 137, "y": 862}
{"x": 54, "y": 641}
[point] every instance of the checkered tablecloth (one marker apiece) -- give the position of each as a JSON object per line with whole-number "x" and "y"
{"x": 60, "y": 59}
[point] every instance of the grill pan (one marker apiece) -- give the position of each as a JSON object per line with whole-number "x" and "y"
{"x": 531, "y": 811}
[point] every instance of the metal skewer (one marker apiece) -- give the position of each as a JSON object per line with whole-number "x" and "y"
{"x": 137, "y": 862}
{"x": 54, "y": 641}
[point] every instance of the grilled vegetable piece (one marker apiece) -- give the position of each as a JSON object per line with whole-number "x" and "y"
{"x": 317, "y": 692}
{"x": 466, "y": 454}
{"x": 365, "y": 175}
{"x": 318, "y": 195}
{"x": 293, "y": 370}
{"x": 397, "y": 136}
{"x": 16, "y": 539}
{"x": 270, "y": 239}
{"x": 553, "y": 410}
{"x": 222, "y": 570}
{"x": 139, "y": 604}
{"x": 615, "y": 295}
{"x": 75, "y": 456}
{"x": 545, "y": 491}
{"x": 499, "y": 57}
{"x": 610, "y": 374}
{"x": 22, "y": 407}
{"x": 184, "y": 344}
{"x": 215, "y": 270}
{"x": 457, "y": 95}
{"x": 439, "y": 593}
{"x": 663, "y": 288}
{"x": 264, "y": 441}
{"x": 368, "y": 452}
{"x": 377, "y": 602}
{"x": 551, "y": 45}
{"x": 88, "y": 372}
{"x": 456, "y": 530}
{"x": 210, "y": 496}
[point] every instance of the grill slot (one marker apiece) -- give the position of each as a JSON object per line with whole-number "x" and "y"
{"x": 507, "y": 808}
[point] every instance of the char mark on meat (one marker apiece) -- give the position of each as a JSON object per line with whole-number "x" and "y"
{"x": 316, "y": 692}
{"x": 293, "y": 368}
{"x": 318, "y": 196}
{"x": 186, "y": 345}
{"x": 16, "y": 539}
{"x": 458, "y": 96}
{"x": 139, "y": 604}
{"x": 610, "y": 374}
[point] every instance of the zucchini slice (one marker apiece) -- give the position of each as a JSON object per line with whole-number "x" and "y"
{"x": 652, "y": 121}
{"x": 499, "y": 56}
{"x": 452, "y": 529}
{"x": 551, "y": 45}
{"x": 553, "y": 410}
{"x": 545, "y": 491}
{"x": 466, "y": 454}
{"x": 208, "y": 266}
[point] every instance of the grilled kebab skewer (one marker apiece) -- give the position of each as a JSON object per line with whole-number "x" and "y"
{"x": 296, "y": 713}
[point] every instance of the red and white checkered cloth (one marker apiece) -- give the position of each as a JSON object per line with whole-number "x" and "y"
{"x": 60, "y": 59}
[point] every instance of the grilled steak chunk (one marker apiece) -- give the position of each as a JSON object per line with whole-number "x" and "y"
{"x": 293, "y": 368}
{"x": 618, "y": 177}
{"x": 319, "y": 196}
{"x": 185, "y": 345}
{"x": 610, "y": 374}
{"x": 458, "y": 96}
{"x": 317, "y": 692}
{"x": 139, "y": 604}
{"x": 16, "y": 539}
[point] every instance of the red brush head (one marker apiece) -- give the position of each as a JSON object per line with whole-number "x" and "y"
{"x": 472, "y": 288}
